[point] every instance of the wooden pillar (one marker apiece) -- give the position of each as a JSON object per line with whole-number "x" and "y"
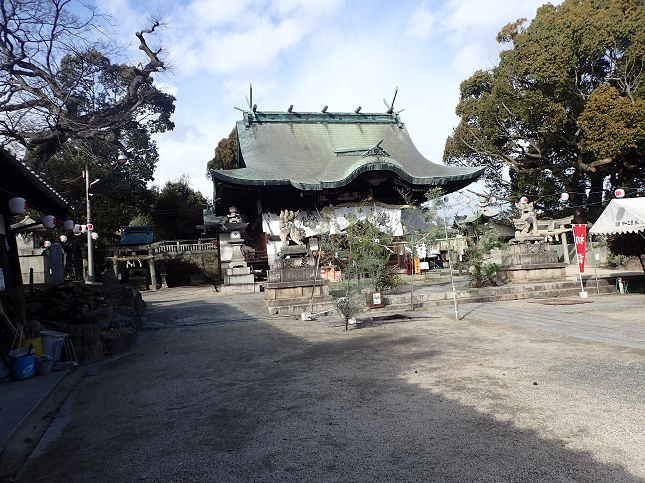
{"x": 153, "y": 273}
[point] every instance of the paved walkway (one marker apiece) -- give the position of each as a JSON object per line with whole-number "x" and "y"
{"x": 615, "y": 319}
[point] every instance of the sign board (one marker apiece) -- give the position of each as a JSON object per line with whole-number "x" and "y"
{"x": 375, "y": 300}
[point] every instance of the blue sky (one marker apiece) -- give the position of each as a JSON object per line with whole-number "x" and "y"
{"x": 312, "y": 53}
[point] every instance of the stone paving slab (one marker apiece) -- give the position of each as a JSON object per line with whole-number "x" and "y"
{"x": 19, "y": 398}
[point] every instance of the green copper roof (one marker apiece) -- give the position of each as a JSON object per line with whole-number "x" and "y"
{"x": 317, "y": 151}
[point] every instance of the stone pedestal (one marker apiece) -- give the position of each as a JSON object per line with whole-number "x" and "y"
{"x": 531, "y": 262}
{"x": 238, "y": 277}
{"x": 293, "y": 282}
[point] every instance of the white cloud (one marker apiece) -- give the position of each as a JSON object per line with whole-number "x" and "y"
{"x": 311, "y": 53}
{"x": 421, "y": 23}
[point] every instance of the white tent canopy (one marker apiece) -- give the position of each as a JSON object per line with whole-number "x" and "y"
{"x": 621, "y": 216}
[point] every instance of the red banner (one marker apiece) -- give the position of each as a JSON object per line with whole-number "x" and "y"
{"x": 580, "y": 239}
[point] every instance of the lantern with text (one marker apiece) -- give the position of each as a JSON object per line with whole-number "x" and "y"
{"x": 564, "y": 196}
{"x": 47, "y": 244}
{"x": 49, "y": 221}
{"x": 524, "y": 199}
{"x": 90, "y": 227}
{"x": 94, "y": 235}
{"x": 492, "y": 200}
{"x": 62, "y": 238}
{"x": 17, "y": 206}
{"x": 620, "y": 193}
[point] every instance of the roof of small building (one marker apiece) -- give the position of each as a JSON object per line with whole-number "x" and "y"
{"x": 19, "y": 180}
{"x": 316, "y": 151}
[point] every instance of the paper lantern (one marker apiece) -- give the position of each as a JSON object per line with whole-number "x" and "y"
{"x": 524, "y": 199}
{"x": 90, "y": 226}
{"x": 95, "y": 236}
{"x": 49, "y": 221}
{"x": 564, "y": 196}
{"x": 62, "y": 238}
{"x": 620, "y": 193}
{"x": 47, "y": 244}
{"x": 83, "y": 228}
{"x": 493, "y": 200}
{"x": 17, "y": 205}
{"x": 69, "y": 225}
{"x": 77, "y": 229}
{"x": 467, "y": 200}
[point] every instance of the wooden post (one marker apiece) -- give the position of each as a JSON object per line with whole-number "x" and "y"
{"x": 153, "y": 273}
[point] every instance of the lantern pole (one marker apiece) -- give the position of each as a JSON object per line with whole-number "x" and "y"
{"x": 452, "y": 280}
{"x": 90, "y": 247}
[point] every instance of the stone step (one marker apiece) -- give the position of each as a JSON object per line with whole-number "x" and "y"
{"x": 296, "y": 301}
{"x": 494, "y": 294}
{"x": 301, "y": 308}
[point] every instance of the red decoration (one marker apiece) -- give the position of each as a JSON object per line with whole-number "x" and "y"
{"x": 580, "y": 239}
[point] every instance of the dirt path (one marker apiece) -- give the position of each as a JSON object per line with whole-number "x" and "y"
{"x": 283, "y": 400}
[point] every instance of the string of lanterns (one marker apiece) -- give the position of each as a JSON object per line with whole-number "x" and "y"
{"x": 564, "y": 197}
{"x": 18, "y": 206}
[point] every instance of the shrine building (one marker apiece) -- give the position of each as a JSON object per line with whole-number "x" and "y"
{"x": 325, "y": 161}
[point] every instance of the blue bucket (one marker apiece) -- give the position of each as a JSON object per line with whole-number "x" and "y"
{"x": 23, "y": 367}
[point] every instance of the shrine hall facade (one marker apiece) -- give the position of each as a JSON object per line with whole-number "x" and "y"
{"x": 322, "y": 161}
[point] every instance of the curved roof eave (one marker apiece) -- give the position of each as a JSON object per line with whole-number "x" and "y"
{"x": 318, "y": 185}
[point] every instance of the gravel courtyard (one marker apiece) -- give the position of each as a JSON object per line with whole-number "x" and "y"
{"x": 221, "y": 392}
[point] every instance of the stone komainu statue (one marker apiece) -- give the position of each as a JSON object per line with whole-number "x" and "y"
{"x": 527, "y": 223}
{"x": 288, "y": 229}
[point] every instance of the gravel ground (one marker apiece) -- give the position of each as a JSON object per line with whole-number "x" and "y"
{"x": 221, "y": 393}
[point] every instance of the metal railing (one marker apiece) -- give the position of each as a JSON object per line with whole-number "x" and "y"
{"x": 185, "y": 246}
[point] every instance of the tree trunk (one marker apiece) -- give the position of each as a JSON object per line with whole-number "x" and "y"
{"x": 594, "y": 202}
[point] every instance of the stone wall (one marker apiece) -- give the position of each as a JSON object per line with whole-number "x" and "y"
{"x": 205, "y": 259}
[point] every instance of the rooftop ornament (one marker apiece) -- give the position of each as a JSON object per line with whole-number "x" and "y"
{"x": 375, "y": 150}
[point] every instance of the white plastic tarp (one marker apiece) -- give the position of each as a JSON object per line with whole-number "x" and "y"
{"x": 309, "y": 220}
{"x": 621, "y": 216}
{"x": 387, "y": 219}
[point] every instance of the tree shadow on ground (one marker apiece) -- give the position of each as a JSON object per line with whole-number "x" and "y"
{"x": 246, "y": 402}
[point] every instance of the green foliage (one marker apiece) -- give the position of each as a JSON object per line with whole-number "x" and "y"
{"x": 627, "y": 244}
{"x": 387, "y": 279}
{"x": 116, "y": 198}
{"x": 141, "y": 219}
{"x": 361, "y": 251}
{"x": 178, "y": 209}
{"x": 563, "y": 109}
{"x": 225, "y": 154}
{"x": 349, "y": 306}
{"x": 481, "y": 270}
{"x": 179, "y": 271}
{"x": 60, "y": 92}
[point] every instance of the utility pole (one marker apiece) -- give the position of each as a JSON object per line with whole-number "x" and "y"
{"x": 90, "y": 247}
